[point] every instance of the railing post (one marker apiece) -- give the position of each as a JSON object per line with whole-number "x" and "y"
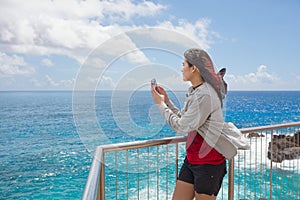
{"x": 271, "y": 168}
{"x": 101, "y": 189}
{"x": 176, "y": 162}
{"x": 231, "y": 179}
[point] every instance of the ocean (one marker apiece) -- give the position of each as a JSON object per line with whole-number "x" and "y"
{"x": 44, "y": 155}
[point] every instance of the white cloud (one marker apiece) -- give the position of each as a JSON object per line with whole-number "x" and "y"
{"x": 261, "y": 79}
{"x": 106, "y": 83}
{"x": 14, "y": 65}
{"x": 62, "y": 84}
{"x": 74, "y": 28}
{"x": 51, "y": 81}
{"x": 47, "y": 62}
{"x": 69, "y": 27}
{"x": 36, "y": 83}
{"x": 125, "y": 9}
{"x": 67, "y": 83}
{"x": 264, "y": 76}
{"x": 120, "y": 44}
{"x": 198, "y": 31}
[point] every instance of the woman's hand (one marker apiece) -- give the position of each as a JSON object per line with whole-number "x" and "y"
{"x": 157, "y": 97}
{"x": 163, "y": 92}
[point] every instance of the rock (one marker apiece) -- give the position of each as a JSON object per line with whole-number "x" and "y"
{"x": 296, "y": 138}
{"x": 254, "y": 135}
{"x": 283, "y": 147}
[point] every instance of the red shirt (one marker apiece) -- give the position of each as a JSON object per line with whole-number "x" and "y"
{"x": 199, "y": 152}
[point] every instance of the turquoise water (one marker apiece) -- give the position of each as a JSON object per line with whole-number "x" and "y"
{"x": 44, "y": 157}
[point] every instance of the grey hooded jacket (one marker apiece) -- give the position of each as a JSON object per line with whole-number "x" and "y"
{"x": 202, "y": 112}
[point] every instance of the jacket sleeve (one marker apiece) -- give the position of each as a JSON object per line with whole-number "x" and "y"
{"x": 173, "y": 108}
{"x": 196, "y": 114}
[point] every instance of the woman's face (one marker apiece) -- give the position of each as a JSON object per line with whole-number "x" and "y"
{"x": 186, "y": 71}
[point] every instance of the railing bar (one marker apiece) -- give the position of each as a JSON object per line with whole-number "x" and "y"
{"x": 231, "y": 179}
{"x": 282, "y": 132}
{"x": 261, "y": 165}
{"x": 127, "y": 174}
{"x": 176, "y": 162}
{"x": 148, "y": 187}
{"x": 138, "y": 157}
{"x": 167, "y": 171}
{"x": 270, "y": 127}
{"x": 245, "y": 175}
{"x": 238, "y": 172}
{"x": 250, "y": 169}
{"x": 157, "y": 173}
{"x": 281, "y": 167}
{"x": 288, "y": 183}
{"x": 298, "y": 169}
{"x": 294, "y": 161}
{"x": 255, "y": 165}
{"x": 290, "y": 164}
{"x": 116, "y": 166}
{"x": 102, "y": 178}
{"x": 266, "y": 159}
{"x": 271, "y": 168}
{"x": 298, "y": 177}
{"x": 142, "y": 144}
{"x": 294, "y": 131}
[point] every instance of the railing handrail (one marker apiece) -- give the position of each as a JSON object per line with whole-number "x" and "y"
{"x": 91, "y": 188}
{"x": 92, "y": 184}
{"x": 142, "y": 144}
{"x": 269, "y": 127}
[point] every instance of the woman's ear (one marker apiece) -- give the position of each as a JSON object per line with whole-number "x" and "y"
{"x": 195, "y": 69}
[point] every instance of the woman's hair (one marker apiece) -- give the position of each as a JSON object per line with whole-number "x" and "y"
{"x": 202, "y": 61}
{"x": 189, "y": 64}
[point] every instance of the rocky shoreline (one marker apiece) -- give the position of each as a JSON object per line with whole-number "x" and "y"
{"x": 284, "y": 147}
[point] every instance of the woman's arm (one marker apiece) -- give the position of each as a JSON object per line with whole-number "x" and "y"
{"x": 168, "y": 102}
{"x": 197, "y": 112}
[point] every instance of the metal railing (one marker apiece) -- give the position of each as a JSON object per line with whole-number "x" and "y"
{"x": 148, "y": 169}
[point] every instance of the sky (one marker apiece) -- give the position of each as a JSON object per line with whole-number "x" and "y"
{"x": 122, "y": 44}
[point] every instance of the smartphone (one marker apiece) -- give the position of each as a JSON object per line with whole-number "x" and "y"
{"x": 154, "y": 84}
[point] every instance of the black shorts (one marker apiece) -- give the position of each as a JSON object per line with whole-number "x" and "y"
{"x": 207, "y": 179}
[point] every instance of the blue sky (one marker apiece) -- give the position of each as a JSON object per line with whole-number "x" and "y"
{"x": 50, "y": 45}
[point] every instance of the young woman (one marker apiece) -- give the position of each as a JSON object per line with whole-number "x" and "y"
{"x": 202, "y": 172}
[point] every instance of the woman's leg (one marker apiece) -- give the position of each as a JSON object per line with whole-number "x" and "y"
{"x": 183, "y": 191}
{"x": 205, "y": 197}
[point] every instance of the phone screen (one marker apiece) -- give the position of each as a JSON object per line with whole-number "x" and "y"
{"x": 153, "y": 82}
